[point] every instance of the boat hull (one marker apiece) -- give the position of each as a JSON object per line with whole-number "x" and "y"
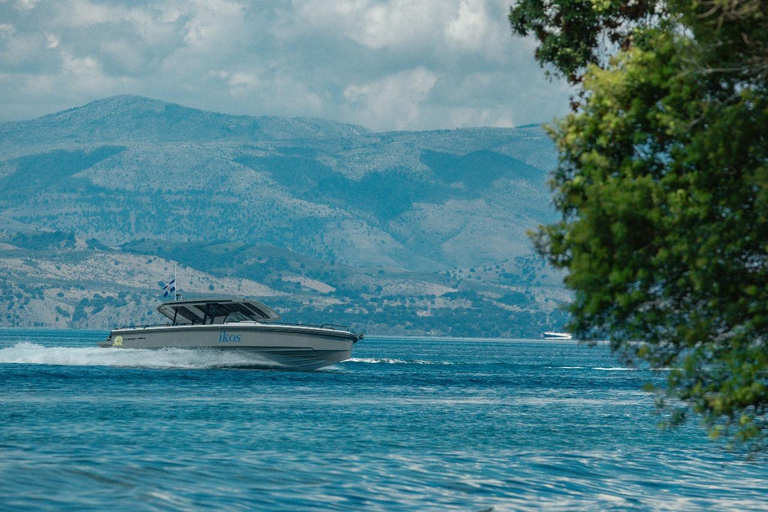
{"x": 295, "y": 347}
{"x": 556, "y": 336}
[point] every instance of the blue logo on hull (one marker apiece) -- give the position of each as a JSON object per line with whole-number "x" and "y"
{"x": 228, "y": 338}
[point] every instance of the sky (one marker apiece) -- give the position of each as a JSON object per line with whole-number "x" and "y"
{"x": 382, "y": 64}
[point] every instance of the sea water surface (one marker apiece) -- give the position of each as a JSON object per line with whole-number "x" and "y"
{"x": 406, "y": 424}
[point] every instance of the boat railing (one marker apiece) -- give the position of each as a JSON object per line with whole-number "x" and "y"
{"x": 335, "y": 327}
{"x": 142, "y": 326}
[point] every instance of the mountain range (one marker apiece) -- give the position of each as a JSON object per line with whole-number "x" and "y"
{"x": 394, "y": 232}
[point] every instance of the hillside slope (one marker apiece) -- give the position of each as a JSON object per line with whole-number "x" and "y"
{"x": 396, "y": 232}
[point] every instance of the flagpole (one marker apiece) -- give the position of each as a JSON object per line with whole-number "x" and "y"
{"x": 176, "y": 283}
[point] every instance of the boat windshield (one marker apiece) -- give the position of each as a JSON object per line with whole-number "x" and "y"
{"x": 217, "y": 311}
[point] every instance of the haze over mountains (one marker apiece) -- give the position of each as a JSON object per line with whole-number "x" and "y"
{"x": 397, "y": 232}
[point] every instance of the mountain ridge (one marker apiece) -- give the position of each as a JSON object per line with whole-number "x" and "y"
{"x": 397, "y": 205}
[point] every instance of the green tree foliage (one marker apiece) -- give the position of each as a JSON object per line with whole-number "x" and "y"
{"x": 663, "y": 189}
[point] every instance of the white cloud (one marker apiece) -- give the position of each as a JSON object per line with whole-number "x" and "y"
{"x": 398, "y": 23}
{"x": 247, "y": 80}
{"x": 40, "y": 84}
{"x": 461, "y": 117}
{"x": 374, "y": 24}
{"x": 168, "y": 13}
{"x": 86, "y": 70}
{"x": 20, "y": 49}
{"x": 83, "y": 13}
{"x": 386, "y": 64}
{"x": 52, "y": 40}
{"x": 470, "y": 27}
{"x": 237, "y": 82}
{"x": 395, "y": 101}
{"x": 128, "y": 57}
{"x": 213, "y": 24}
{"x": 25, "y": 5}
{"x": 6, "y": 30}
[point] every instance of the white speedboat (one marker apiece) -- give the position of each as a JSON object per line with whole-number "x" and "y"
{"x": 549, "y": 335}
{"x": 239, "y": 324}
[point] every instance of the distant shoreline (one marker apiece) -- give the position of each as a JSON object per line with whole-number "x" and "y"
{"x": 367, "y": 336}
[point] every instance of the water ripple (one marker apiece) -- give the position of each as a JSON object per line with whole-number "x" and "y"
{"x": 404, "y": 425}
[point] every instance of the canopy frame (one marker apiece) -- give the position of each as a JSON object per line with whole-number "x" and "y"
{"x": 216, "y": 311}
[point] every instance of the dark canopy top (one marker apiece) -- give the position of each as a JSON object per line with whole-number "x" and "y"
{"x": 217, "y": 311}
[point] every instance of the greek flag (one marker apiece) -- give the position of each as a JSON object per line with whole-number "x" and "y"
{"x": 169, "y": 288}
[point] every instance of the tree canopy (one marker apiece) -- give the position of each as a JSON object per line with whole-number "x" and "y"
{"x": 662, "y": 184}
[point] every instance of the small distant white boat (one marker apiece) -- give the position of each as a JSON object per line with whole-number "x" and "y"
{"x": 549, "y": 335}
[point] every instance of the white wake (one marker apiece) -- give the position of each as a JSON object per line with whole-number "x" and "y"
{"x": 32, "y": 353}
{"x": 385, "y": 360}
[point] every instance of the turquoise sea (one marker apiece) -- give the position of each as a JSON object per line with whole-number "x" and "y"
{"x": 407, "y": 424}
